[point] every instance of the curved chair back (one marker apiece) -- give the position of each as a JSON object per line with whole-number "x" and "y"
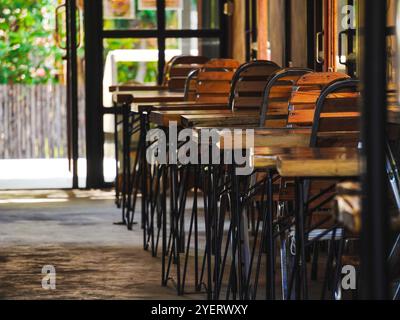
{"x": 214, "y": 80}
{"x": 276, "y": 96}
{"x": 306, "y": 93}
{"x": 337, "y": 116}
{"x": 178, "y": 68}
{"x": 248, "y": 84}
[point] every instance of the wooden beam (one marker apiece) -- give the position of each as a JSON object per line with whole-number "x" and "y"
{"x": 262, "y": 29}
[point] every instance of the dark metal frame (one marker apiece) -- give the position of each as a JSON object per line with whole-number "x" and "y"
{"x": 72, "y": 89}
{"x": 251, "y": 33}
{"x": 375, "y": 216}
{"x": 94, "y": 93}
{"x": 314, "y": 25}
{"x": 310, "y": 34}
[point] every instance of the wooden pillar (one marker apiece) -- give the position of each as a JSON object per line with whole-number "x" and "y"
{"x": 299, "y": 33}
{"x": 277, "y": 35}
{"x": 262, "y": 29}
{"x": 330, "y": 31}
{"x": 238, "y": 31}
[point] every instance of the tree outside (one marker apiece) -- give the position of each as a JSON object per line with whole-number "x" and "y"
{"x": 28, "y": 53}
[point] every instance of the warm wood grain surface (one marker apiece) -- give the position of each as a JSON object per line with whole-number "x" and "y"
{"x": 271, "y": 138}
{"x": 147, "y": 96}
{"x": 249, "y": 118}
{"x": 324, "y": 162}
{"x": 128, "y": 87}
{"x": 163, "y": 118}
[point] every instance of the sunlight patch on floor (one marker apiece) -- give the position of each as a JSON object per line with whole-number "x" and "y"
{"x": 45, "y": 173}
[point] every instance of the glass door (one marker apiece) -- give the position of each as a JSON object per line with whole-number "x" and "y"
{"x": 337, "y": 36}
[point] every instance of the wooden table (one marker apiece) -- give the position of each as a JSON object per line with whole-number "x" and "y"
{"x": 147, "y": 96}
{"x": 163, "y": 118}
{"x": 267, "y": 158}
{"x": 128, "y": 87}
{"x": 271, "y": 138}
{"x": 176, "y": 106}
{"x": 307, "y": 162}
{"x": 249, "y": 118}
{"x": 323, "y": 162}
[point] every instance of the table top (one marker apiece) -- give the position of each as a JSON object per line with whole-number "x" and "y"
{"x": 148, "y": 96}
{"x": 132, "y": 87}
{"x": 266, "y": 158}
{"x": 163, "y": 118}
{"x": 177, "y": 106}
{"x": 270, "y": 138}
{"x": 323, "y": 162}
{"x": 249, "y": 118}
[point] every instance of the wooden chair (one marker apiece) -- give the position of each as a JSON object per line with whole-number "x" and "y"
{"x": 244, "y": 97}
{"x": 249, "y": 84}
{"x": 303, "y": 92}
{"x": 309, "y": 88}
{"x": 214, "y": 80}
{"x": 336, "y": 123}
{"x": 275, "y": 103}
{"x": 223, "y": 81}
{"x": 337, "y": 110}
{"x": 178, "y": 68}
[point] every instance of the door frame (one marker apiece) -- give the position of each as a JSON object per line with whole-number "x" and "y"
{"x": 72, "y": 89}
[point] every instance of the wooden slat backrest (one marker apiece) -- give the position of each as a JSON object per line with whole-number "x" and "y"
{"x": 309, "y": 87}
{"x": 337, "y": 111}
{"x": 249, "y": 83}
{"x": 276, "y": 96}
{"x": 178, "y": 68}
{"x": 214, "y": 80}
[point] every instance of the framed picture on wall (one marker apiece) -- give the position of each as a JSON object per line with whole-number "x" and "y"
{"x": 119, "y": 9}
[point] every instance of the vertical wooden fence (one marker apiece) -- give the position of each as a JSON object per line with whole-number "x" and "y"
{"x": 33, "y": 121}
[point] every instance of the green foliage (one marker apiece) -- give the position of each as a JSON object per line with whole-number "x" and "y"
{"x": 28, "y": 53}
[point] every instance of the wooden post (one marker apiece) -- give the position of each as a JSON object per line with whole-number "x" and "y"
{"x": 238, "y": 32}
{"x": 330, "y": 32}
{"x": 262, "y": 29}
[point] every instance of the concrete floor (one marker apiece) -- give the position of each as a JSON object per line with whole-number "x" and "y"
{"x": 74, "y": 232}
